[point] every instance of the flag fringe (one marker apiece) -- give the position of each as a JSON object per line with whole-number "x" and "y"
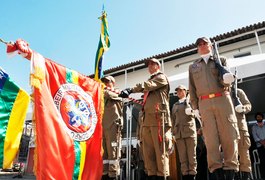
{"x": 37, "y": 74}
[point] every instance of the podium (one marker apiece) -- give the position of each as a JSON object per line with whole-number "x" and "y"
{"x": 174, "y": 165}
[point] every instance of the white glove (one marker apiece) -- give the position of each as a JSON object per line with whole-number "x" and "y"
{"x": 169, "y": 143}
{"x": 188, "y": 111}
{"x": 139, "y": 85}
{"x": 240, "y": 108}
{"x": 228, "y": 78}
{"x": 170, "y": 148}
{"x": 196, "y": 113}
{"x": 138, "y": 142}
{"x": 168, "y": 135}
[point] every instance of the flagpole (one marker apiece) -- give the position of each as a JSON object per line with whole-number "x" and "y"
{"x": 5, "y": 42}
{"x": 103, "y": 8}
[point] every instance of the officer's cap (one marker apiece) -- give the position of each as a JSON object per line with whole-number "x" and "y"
{"x": 108, "y": 78}
{"x": 154, "y": 60}
{"x": 181, "y": 87}
{"x": 204, "y": 39}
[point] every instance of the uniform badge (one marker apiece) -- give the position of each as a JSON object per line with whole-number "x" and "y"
{"x": 77, "y": 111}
{"x": 196, "y": 65}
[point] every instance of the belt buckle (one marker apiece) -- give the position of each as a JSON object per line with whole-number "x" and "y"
{"x": 211, "y": 96}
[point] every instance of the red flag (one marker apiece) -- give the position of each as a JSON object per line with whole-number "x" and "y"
{"x": 68, "y": 112}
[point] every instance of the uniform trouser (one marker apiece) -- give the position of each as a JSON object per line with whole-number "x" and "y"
{"x": 187, "y": 155}
{"x": 111, "y": 146}
{"x": 243, "y": 153}
{"x": 153, "y": 155}
{"x": 220, "y": 128}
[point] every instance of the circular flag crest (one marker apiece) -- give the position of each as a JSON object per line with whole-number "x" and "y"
{"x": 77, "y": 111}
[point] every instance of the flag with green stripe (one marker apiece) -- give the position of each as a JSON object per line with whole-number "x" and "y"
{"x": 68, "y": 110}
{"x": 103, "y": 46}
{"x": 14, "y": 103}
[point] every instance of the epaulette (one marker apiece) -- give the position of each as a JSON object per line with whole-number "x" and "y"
{"x": 197, "y": 60}
{"x": 156, "y": 75}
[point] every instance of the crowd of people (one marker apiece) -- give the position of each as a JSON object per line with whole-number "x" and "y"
{"x": 207, "y": 123}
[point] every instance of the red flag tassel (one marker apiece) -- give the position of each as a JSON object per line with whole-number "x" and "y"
{"x": 159, "y": 124}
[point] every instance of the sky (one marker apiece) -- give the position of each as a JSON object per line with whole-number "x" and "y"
{"x": 67, "y": 31}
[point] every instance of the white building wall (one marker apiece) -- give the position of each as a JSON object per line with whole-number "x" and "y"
{"x": 177, "y": 70}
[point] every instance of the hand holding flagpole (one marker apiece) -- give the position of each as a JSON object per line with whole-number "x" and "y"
{"x": 130, "y": 98}
{"x": 21, "y": 47}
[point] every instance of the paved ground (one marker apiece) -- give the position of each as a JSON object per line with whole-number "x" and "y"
{"x": 11, "y": 175}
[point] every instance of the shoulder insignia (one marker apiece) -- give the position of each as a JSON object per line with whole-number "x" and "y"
{"x": 196, "y": 65}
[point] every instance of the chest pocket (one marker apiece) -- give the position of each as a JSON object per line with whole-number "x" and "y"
{"x": 196, "y": 71}
{"x": 176, "y": 110}
{"x": 213, "y": 68}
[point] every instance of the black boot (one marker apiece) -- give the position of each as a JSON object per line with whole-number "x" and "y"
{"x": 185, "y": 177}
{"x": 160, "y": 178}
{"x": 151, "y": 177}
{"x": 112, "y": 178}
{"x": 219, "y": 174}
{"x": 191, "y": 177}
{"x": 229, "y": 174}
{"x": 245, "y": 175}
{"x": 237, "y": 176}
{"x": 105, "y": 177}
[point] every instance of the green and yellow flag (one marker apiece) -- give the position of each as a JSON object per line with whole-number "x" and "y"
{"x": 103, "y": 46}
{"x": 14, "y": 103}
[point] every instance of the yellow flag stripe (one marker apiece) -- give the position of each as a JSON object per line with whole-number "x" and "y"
{"x": 82, "y": 160}
{"x": 75, "y": 77}
{"x": 15, "y": 127}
